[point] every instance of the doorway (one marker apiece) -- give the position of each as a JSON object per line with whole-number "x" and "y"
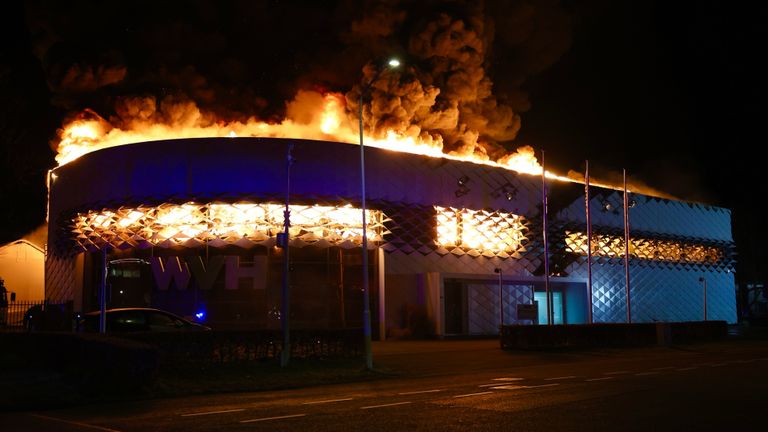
{"x": 473, "y": 307}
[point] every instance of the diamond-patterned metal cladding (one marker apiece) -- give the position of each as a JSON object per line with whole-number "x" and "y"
{"x": 406, "y": 187}
{"x": 483, "y": 312}
{"x": 697, "y": 236}
{"x": 479, "y": 232}
{"x": 662, "y": 217}
{"x": 59, "y": 278}
{"x": 221, "y": 224}
{"x": 658, "y": 293}
{"x": 675, "y": 243}
{"x": 493, "y": 234}
{"x": 644, "y": 248}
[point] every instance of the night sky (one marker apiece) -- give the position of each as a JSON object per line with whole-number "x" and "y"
{"x": 671, "y": 91}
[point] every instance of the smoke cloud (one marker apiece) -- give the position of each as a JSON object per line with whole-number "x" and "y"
{"x": 465, "y": 63}
{"x": 446, "y": 89}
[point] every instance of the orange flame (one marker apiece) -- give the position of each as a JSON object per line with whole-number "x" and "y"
{"x": 311, "y": 115}
{"x": 330, "y": 119}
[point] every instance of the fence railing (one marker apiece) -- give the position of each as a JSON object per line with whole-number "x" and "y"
{"x": 240, "y": 347}
{"x": 15, "y": 316}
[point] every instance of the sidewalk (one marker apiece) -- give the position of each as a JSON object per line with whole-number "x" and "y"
{"x": 436, "y": 357}
{"x": 445, "y": 357}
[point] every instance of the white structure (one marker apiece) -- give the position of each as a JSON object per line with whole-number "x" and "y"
{"x": 22, "y": 268}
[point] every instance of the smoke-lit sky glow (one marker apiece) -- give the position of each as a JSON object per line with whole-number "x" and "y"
{"x": 443, "y": 97}
{"x": 669, "y": 92}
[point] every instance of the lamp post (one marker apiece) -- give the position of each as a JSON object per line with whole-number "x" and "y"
{"x": 285, "y": 307}
{"x": 103, "y": 290}
{"x": 501, "y": 297}
{"x": 366, "y": 297}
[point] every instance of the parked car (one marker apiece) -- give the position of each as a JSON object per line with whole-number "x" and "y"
{"x": 138, "y": 320}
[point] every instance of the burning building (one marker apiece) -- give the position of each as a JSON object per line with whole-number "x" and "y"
{"x": 190, "y": 225}
{"x": 178, "y": 186}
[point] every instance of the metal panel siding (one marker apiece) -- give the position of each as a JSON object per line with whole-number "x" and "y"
{"x": 208, "y": 168}
{"x": 658, "y": 293}
{"x": 483, "y": 310}
{"x": 608, "y": 293}
{"x": 401, "y": 263}
{"x": 59, "y": 278}
{"x": 483, "y": 306}
{"x": 254, "y": 168}
{"x": 654, "y": 215}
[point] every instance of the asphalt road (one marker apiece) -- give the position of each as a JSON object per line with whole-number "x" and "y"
{"x": 471, "y": 385}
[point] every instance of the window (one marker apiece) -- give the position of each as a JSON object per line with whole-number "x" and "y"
{"x": 481, "y": 231}
{"x": 161, "y": 321}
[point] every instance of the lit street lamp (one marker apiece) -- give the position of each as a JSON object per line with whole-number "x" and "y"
{"x": 366, "y": 302}
{"x": 283, "y": 240}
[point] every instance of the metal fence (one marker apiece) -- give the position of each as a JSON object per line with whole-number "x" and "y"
{"x": 15, "y": 316}
{"x": 206, "y": 348}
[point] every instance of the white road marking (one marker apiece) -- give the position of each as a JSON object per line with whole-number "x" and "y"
{"x": 212, "y": 412}
{"x": 544, "y": 385}
{"x": 599, "y": 379}
{"x": 272, "y": 418}
{"x": 472, "y": 394}
{"x": 420, "y": 392}
{"x": 327, "y": 401}
{"x": 385, "y": 405}
{"x": 507, "y": 379}
{"x": 85, "y": 425}
{"x": 663, "y": 368}
{"x": 509, "y": 387}
{"x": 560, "y": 378}
{"x": 686, "y": 368}
{"x": 615, "y": 373}
{"x": 716, "y": 364}
{"x": 646, "y": 373}
{"x": 522, "y": 387}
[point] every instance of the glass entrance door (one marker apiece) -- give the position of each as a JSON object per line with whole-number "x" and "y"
{"x": 557, "y": 306}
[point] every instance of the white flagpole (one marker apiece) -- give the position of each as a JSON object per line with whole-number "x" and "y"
{"x": 626, "y": 246}
{"x": 546, "y": 243}
{"x": 589, "y": 243}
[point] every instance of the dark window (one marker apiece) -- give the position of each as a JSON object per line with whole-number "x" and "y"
{"x": 161, "y": 321}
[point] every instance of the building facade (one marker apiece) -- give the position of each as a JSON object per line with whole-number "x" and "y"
{"x": 454, "y": 247}
{"x": 21, "y": 269}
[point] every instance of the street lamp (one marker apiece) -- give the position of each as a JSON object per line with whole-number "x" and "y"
{"x": 283, "y": 240}
{"x": 501, "y": 298}
{"x": 393, "y": 63}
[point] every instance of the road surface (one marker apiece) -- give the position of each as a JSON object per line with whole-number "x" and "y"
{"x": 471, "y": 385}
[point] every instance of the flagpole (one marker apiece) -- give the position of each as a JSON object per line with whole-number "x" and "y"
{"x": 285, "y": 306}
{"x": 544, "y": 231}
{"x": 589, "y": 243}
{"x": 626, "y": 247}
